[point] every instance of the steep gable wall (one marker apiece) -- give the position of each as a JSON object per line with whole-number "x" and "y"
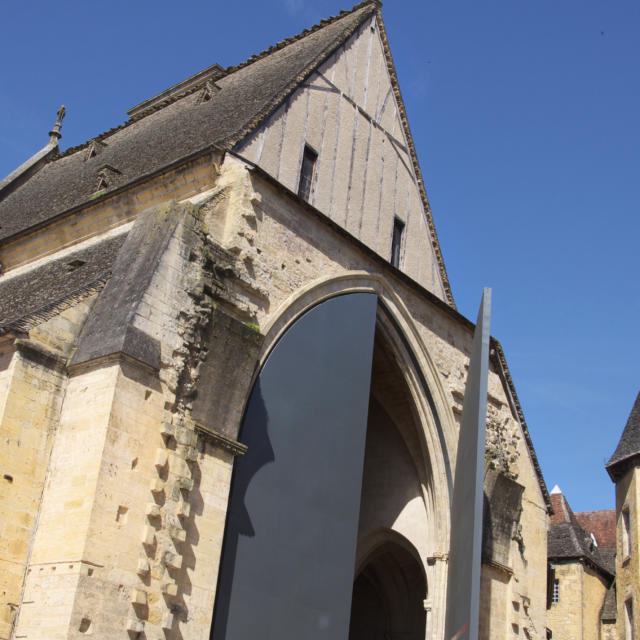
{"x": 364, "y": 175}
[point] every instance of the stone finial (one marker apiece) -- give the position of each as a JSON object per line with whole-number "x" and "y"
{"x": 54, "y": 134}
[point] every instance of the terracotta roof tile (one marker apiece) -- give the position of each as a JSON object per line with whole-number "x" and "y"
{"x": 601, "y": 523}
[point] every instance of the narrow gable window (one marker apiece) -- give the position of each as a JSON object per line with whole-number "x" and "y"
{"x": 309, "y": 158}
{"x": 396, "y": 241}
{"x": 626, "y": 531}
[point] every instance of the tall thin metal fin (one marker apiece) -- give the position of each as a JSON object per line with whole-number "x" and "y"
{"x": 463, "y": 583}
{"x": 289, "y": 550}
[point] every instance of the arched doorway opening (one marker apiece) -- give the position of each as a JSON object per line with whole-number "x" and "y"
{"x": 396, "y": 521}
{"x": 388, "y": 596}
{"x": 401, "y": 503}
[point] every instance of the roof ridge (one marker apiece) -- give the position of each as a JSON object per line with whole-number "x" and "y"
{"x": 225, "y": 72}
{"x": 303, "y": 34}
{"x": 302, "y": 75}
{"x": 595, "y": 511}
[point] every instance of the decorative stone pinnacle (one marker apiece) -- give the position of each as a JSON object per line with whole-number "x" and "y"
{"x": 54, "y": 134}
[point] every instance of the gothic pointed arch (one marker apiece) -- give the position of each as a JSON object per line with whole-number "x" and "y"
{"x": 396, "y": 329}
{"x": 406, "y": 475}
{"x": 389, "y": 591}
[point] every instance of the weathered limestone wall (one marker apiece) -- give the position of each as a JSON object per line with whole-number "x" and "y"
{"x": 628, "y": 566}
{"x": 576, "y": 615}
{"x": 609, "y": 631}
{"x": 140, "y": 474}
{"x": 132, "y": 517}
{"x": 208, "y": 359}
{"x": 514, "y": 564}
{"x": 59, "y": 561}
{"x": 497, "y": 612}
{"x": 287, "y": 253}
{"x": 594, "y": 591}
{"x": 565, "y": 618}
{"x": 31, "y": 388}
{"x": 348, "y": 113}
{"x": 529, "y": 541}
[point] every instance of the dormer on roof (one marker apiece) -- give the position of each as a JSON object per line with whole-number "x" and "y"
{"x": 204, "y": 78}
{"x": 106, "y": 178}
{"x": 627, "y": 453}
{"x": 95, "y": 148}
{"x": 209, "y": 90}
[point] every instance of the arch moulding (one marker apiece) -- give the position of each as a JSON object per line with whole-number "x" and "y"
{"x": 431, "y": 400}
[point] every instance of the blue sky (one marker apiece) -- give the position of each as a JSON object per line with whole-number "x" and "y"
{"x": 525, "y": 119}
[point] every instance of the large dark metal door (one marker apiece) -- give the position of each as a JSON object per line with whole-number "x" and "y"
{"x": 288, "y": 558}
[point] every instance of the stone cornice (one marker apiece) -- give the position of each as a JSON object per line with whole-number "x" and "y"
{"x": 219, "y": 439}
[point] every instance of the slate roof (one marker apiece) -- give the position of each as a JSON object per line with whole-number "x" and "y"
{"x": 629, "y": 446}
{"x": 567, "y": 540}
{"x": 179, "y": 126}
{"x": 609, "y": 611}
{"x": 41, "y": 292}
{"x": 608, "y": 558}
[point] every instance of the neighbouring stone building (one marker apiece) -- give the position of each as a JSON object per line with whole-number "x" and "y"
{"x": 594, "y": 560}
{"x": 624, "y": 467}
{"x": 581, "y": 553}
{"x": 147, "y": 276}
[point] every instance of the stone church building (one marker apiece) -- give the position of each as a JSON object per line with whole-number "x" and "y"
{"x": 153, "y": 279}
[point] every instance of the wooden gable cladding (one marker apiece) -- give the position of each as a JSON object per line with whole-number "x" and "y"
{"x": 348, "y": 112}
